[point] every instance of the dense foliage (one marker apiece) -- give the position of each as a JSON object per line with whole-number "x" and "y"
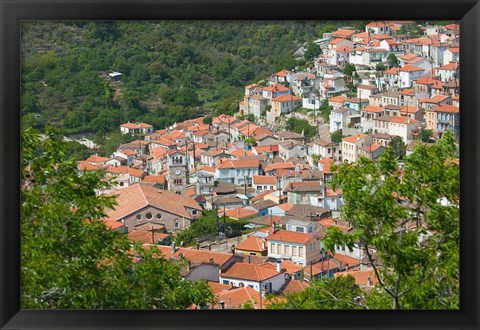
{"x": 419, "y": 266}
{"x": 338, "y": 293}
{"x": 69, "y": 259}
{"x": 301, "y": 126}
{"x": 208, "y": 227}
{"x": 172, "y": 70}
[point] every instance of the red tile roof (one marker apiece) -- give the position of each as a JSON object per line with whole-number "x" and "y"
{"x": 138, "y": 196}
{"x": 125, "y": 169}
{"x": 145, "y": 236}
{"x": 96, "y": 159}
{"x": 83, "y": 165}
{"x": 136, "y": 125}
{"x": 291, "y": 236}
{"x": 239, "y": 163}
{"x": 338, "y": 99}
{"x": 426, "y": 81}
{"x": 449, "y": 66}
{"x": 236, "y": 297}
{"x": 240, "y": 213}
{"x": 294, "y": 286}
{"x": 447, "y": 108}
{"x": 114, "y": 224}
{"x": 373, "y": 108}
{"x": 252, "y": 243}
{"x": 154, "y": 179}
{"x": 282, "y": 73}
{"x": 261, "y": 195}
{"x": 361, "y": 277}
{"x": 218, "y": 258}
{"x": 354, "y": 138}
{"x": 276, "y": 88}
{"x": 345, "y": 260}
{"x": 250, "y": 272}
{"x": 264, "y": 179}
{"x": 276, "y": 166}
{"x": 391, "y": 71}
{"x": 410, "y": 68}
{"x": 285, "y": 206}
{"x": 266, "y": 149}
{"x": 286, "y": 98}
{"x": 343, "y": 33}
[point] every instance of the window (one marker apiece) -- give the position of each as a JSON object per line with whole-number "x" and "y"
{"x": 139, "y": 217}
{"x": 300, "y": 230}
{"x": 225, "y": 282}
{"x": 177, "y": 181}
{"x": 273, "y": 247}
{"x": 149, "y": 215}
{"x": 122, "y": 184}
{"x": 159, "y": 216}
{"x": 176, "y": 224}
{"x": 301, "y": 252}
{"x": 194, "y": 212}
{"x": 294, "y": 251}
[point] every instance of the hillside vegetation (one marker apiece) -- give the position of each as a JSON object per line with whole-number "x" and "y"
{"x": 172, "y": 70}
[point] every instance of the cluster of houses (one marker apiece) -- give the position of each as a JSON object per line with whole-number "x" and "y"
{"x": 421, "y": 91}
{"x": 276, "y": 181}
{"x": 164, "y": 181}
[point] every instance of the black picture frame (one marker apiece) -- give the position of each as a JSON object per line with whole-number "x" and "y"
{"x": 13, "y": 12}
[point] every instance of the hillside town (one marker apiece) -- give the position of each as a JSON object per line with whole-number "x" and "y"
{"x": 365, "y": 91}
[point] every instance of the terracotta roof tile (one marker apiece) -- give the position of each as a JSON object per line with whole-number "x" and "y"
{"x": 286, "y": 98}
{"x": 291, "y": 236}
{"x": 361, "y": 277}
{"x": 218, "y": 258}
{"x": 138, "y": 196}
{"x": 252, "y": 243}
{"x": 250, "y": 272}
{"x": 263, "y": 179}
{"x": 239, "y": 164}
{"x": 236, "y": 297}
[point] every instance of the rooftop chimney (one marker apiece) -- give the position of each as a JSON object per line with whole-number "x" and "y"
{"x": 174, "y": 248}
{"x": 279, "y": 265}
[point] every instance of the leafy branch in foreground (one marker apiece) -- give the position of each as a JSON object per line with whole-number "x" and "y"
{"x": 69, "y": 259}
{"x": 410, "y": 218}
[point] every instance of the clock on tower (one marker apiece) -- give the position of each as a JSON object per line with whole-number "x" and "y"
{"x": 177, "y": 169}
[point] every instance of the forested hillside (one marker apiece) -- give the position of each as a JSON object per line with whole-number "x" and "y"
{"x": 172, "y": 70}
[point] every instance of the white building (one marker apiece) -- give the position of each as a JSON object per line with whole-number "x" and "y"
{"x": 265, "y": 276}
{"x": 300, "y": 248}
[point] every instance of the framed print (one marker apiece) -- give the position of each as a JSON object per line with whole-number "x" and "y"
{"x": 239, "y": 164}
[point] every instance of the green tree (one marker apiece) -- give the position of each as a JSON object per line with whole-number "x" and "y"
{"x": 325, "y": 111}
{"x": 349, "y": 69}
{"x": 301, "y": 125}
{"x": 413, "y": 30}
{"x": 69, "y": 259}
{"x": 338, "y": 293}
{"x": 380, "y": 67}
{"x": 336, "y": 136}
{"x": 207, "y": 120}
{"x": 393, "y": 61}
{"x": 399, "y": 147}
{"x": 419, "y": 266}
{"x": 350, "y": 72}
{"x": 425, "y": 134}
{"x": 313, "y": 50}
